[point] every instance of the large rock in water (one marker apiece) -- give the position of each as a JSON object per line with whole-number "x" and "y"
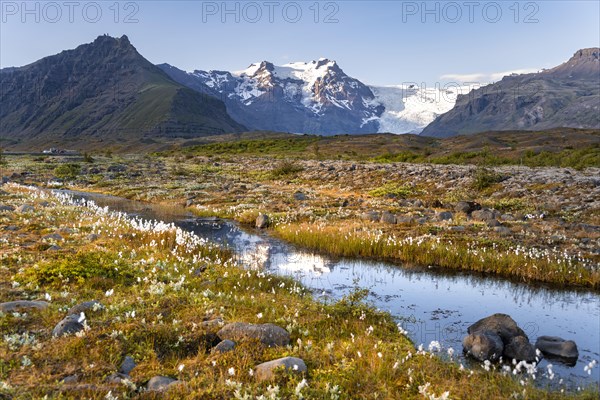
{"x": 266, "y": 370}
{"x": 268, "y": 334}
{"x": 483, "y": 334}
{"x": 483, "y": 346}
{"x": 553, "y": 346}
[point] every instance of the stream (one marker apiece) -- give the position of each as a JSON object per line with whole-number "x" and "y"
{"x": 431, "y": 305}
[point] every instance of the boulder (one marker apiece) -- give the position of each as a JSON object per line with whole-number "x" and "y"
{"x": 159, "y": 383}
{"x": 519, "y": 348}
{"x": 224, "y": 346}
{"x": 268, "y": 334}
{"x": 68, "y": 326}
{"x": 483, "y": 346}
{"x": 501, "y": 324}
{"x": 262, "y": 221}
{"x": 267, "y": 370}
{"x": 388, "y": 218}
{"x": 553, "y": 346}
{"x": 21, "y": 305}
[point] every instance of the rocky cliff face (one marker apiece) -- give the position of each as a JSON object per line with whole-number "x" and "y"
{"x": 565, "y": 96}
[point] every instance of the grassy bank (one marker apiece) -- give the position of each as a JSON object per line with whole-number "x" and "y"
{"x": 159, "y": 286}
{"x": 353, "y": 239}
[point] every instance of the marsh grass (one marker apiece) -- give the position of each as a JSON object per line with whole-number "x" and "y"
{"x": 349, "y": 239}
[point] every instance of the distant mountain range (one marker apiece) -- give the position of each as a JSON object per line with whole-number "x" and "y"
{"x": 564, "y": 96}
{"x": 316, "y": 97}
{"x": 102, "y": 91}
{"x": 106, "y": 92}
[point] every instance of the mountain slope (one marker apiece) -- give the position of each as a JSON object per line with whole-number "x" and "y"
{"x": 102, "y": 90}
{"x": 564, "y": 96}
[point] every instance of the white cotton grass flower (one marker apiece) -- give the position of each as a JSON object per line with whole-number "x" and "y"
{"x": 48, "y": 297}
{"x": 231, "y": 371}
{"x": 259, "y": 315}
{"x": 181, "y": 367}
{"x": 109, "y": 293}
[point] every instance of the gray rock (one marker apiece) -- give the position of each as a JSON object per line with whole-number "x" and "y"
{"x": 127, "y": 365}
{"x": 370, "y": 216}
{"x": 466, "y": 207}
{"x": 189, "y": 202}
{"x": 519, "y": 348}
{"x": 224, "y": 346}
{"x": 501, "y": 324}
{"x": 54, "y": 248}
{"x": 268, "y": 334}
{"x": 444, "y": 216}
{"x": 52, "y": 236}
{"x": 92, "y": 237}
{"x": 262, "y": 221}
{"x": 554, "y": 346}
{"x": 158, "y": 383}
{"x": 502, "y": 230}
{"x": 483, "y": 346}
{"x": 68, "y": 326}
{"x": 492, "y": 223}
{"x": 388, "y": 218}
{"x": 267, "y": 370}
{"x": 85, "y": 307}
{"x": 25, "y": 208}
{"x": 405, "y": 219}
{"x": 483, "y": 215}
{"x": 70, "y": 379}
{"x": 21, "y": 305}
{"x": 457, "y": 228}
{"x": 300, "y": 196}
{"x": 508, "y": 217}
{"x": 6, "y": 208}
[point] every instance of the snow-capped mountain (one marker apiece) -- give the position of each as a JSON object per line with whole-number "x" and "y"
{"x": 316, "y": 97}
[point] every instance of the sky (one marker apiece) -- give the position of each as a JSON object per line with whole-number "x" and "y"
{"x": 378, "y": 42}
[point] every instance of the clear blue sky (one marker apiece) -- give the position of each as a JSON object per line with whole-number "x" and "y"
{"x": 378, "y": 42}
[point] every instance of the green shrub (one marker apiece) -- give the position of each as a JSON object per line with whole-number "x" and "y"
{"x": 67, "y": 171}
{"x": 394, "y": 190}
{"x": 484, "y": 178}
{"x": 79, "y": 268}
{"x": 286, "y": 168}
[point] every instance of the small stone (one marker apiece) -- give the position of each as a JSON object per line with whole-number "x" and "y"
{"x": 6, "y": 208}
{"x": 262, "y": 221}
{"x": 224, "y": 346}
{"x": 70, "y": 379}
{"x": 502, "y": 230}
{"x": 300, "y": 196}
{"x": 54, "y": 248}
{"x": 492, "y": 223}
{"x": 405, "y": 219}
{"x": 117, "y": 378}
{"x": 158, "y": 383}
{"x": 20, "y": 305}
{"x": 213, "y": 323}
{"x": 68, "y": 326}
{"x": 267, "y": 370}
{"x": 52, "y": 236}
{"x": 92, "y": 237}
{"x": 127, "y": 365}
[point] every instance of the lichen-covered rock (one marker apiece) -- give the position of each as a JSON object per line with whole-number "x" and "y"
{"x": 21, "y": 305}
{"x": 267, "y": 370}
{"x": 268, "y": 334}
